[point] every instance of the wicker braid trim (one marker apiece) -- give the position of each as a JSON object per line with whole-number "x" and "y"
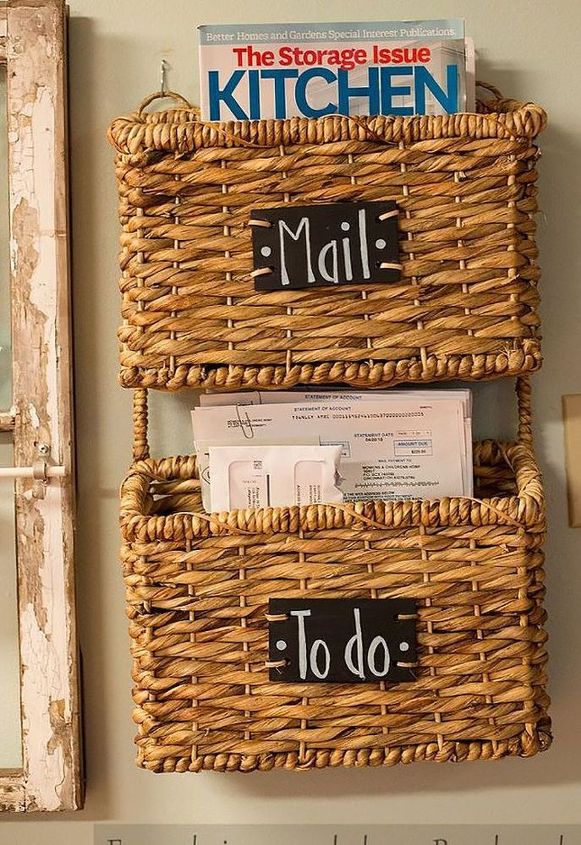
{"x": 526, "y": 509}
{"x": 180, "y": 130}
{"x": 526, "y": 745}
{"x": 378, "y": 374}
{"x": 140, "y": 423}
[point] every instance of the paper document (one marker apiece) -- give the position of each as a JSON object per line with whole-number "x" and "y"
{"x": 407, "y": 448}
{"x": 266, "y": 397}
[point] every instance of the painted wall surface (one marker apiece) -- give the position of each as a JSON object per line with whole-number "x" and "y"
{"x": 525, "y": 48}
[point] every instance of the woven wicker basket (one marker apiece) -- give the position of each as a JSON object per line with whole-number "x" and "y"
{"x": 465, "y": 307}
{"x": 198, "y": 587}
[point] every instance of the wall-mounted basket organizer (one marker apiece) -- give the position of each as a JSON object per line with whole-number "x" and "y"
{"x": 199, "y": 585}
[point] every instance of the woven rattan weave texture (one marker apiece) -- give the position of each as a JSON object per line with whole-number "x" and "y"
{"x": 466, "y": 306}
{"x": 198, "y": 587}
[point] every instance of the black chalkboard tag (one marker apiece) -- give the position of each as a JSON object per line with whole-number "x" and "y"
{"x": 334, "y": 244}
{"x": 342, "y": 640}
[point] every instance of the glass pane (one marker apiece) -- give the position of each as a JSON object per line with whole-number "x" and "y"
{"x": 10, "y": 737}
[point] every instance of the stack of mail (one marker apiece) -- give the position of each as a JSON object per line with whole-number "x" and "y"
{"x": 259, "y": 449}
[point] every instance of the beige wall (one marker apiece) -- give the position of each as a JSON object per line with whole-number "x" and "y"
{"x": 115, "y": 47}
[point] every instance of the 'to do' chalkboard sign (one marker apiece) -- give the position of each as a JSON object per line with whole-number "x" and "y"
{"x": 335, "y": 244}
{"x": 341, "y": 640}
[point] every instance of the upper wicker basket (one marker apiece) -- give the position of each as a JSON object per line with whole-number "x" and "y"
{"x": 466, "y": 306}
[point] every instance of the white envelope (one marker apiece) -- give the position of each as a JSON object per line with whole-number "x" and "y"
{"x": 273, "y": 476}
{"x": 236, "y": 438}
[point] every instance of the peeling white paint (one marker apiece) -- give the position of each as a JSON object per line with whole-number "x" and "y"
{"x": 37, "y": 727}
{"x": 42, "y": 395}
{"x": 33, "y": 415}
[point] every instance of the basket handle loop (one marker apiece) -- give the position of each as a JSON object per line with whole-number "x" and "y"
{"x": 523, "y": 395}
{"x": 490, "y": 88}
{"x": 140, "y": 421}
{"x": 164, "y": 95}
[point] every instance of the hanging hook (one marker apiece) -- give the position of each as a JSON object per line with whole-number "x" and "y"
{"x": 162, "y": 79}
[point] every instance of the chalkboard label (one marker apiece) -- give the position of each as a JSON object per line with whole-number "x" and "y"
{"x": 341, "y": 640}
{"x": 313, "y": 245}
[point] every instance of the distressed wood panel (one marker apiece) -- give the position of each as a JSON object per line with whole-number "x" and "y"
{"x": 11, "y": 791}
{"x": 6, "y": 421}
{"x": 43, "y": 400}
{"x": 3, "y": 30}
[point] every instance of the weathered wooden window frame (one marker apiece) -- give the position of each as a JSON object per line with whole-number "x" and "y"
{"x": 33, "y": 49}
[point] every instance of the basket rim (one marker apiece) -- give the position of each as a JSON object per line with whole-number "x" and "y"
{"x": 179, "y": 130}
{"x": 526, "y": 744}
{"x": 520, "y": 511}
{"x": 524, "y": 358}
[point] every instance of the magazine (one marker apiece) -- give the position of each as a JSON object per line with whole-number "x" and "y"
{"x": 257, "y": 72}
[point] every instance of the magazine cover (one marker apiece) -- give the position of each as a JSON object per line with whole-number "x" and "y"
{"x": 256, "y": 72}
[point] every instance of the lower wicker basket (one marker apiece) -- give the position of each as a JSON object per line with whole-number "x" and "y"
{"x": 198, "y": 588}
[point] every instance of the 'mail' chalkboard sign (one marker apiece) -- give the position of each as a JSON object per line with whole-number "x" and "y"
{"x": 337, "y": 244}
{"x": 341, "y": 640}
